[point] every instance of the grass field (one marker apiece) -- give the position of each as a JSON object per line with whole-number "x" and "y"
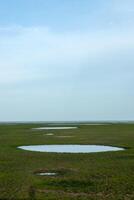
{"x": 95, "y": 176}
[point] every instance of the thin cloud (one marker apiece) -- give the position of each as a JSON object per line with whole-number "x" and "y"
{"x": 37, "y": 52}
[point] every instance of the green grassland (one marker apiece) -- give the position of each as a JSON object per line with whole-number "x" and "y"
{"x": 95, "y": 176}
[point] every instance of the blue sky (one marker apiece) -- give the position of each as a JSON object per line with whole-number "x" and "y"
{"x": 66, "y": 60}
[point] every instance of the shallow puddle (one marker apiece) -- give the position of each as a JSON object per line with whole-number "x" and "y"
{"x": 70, "y": 148}
{"x": 47, "y": 174}
{"x": 54, "y": 128}
{"x": 49, "y": 134}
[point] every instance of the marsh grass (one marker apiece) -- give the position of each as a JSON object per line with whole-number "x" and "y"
{"x": 97, "y": 176}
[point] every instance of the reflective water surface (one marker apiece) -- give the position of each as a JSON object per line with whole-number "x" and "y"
{"x": 49, "y": 134}
{"x": 54, "y": 128}
{"x": 70, "y": 148}
{"x": 47, "y": 174}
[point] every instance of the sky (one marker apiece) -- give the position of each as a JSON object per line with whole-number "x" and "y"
{"x": 66, "y": 60}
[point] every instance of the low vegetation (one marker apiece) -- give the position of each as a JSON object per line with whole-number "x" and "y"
{"x": 95, "y": 176}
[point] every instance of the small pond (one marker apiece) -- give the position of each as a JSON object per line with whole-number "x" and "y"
{"x": 54, "y": 128}
{"x": 70, "y": 148}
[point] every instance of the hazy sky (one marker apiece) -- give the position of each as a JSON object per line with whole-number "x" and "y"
{"x": 66, "y": 60}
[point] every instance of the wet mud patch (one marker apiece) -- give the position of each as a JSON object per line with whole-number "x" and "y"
{"x": 64, "y": 136}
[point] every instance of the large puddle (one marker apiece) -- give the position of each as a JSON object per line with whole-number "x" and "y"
{"x": 70, "y": 148}
{"x": 54, "y": 128}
